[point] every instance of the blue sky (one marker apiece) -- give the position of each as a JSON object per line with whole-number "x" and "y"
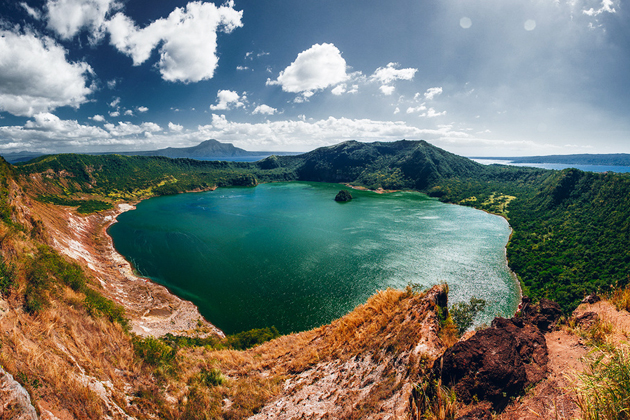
{"x": 475, "y": 77}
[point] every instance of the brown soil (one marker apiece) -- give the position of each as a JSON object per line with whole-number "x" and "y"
{"x": 552, "y": 397}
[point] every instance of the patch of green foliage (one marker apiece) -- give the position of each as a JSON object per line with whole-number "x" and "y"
{"x": 47, "y": 270}
{"x": 210, "y": 378}
{"x": 464, "y": 313}
{"x": 251, "y": 338}
{"x": 83, "y": 206}
{"x": 154, "y": 351}
{"x": 239, "y": 341}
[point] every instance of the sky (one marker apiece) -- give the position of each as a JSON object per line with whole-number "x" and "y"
{"x": 474, "y": 77}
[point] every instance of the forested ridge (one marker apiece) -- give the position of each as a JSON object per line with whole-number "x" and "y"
{"x": 571, "y": 228}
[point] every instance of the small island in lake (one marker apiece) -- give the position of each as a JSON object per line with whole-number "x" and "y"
{"x": 343, "y": 196}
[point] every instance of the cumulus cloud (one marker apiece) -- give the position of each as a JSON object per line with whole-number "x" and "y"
{"x": 46, "y": 129}
{"x": 607, "y": 6}
{"x": 317, "y": 68}
{"x": 390, "y": 73}
{"x": 128, "y": 129}
{"x": 187, "y": 39}
{"x": 34, "y": 13}
{"x": 387, "y": 89}
{"x": 175, "y": 127}
{"x": 142, "y": 109}
{"x": 98, "y": 118}
{"x": 129, "y": 113}
{"x": 68, "y": 17}
{"x": 339, "y": 90}
{"x": 302, "y": 134}
{"x": 227, "y": 99}
{"x": 420, "y": 108}
{"x": 265, "y": 110}
{"x": 387, "y": 75}
{"x": 432, "y": 113}
{"x": 114, "y": 114}
{"x": 114, "y": 103}
{"x": 27, "y": 84}
{"x": 432, "y": 93}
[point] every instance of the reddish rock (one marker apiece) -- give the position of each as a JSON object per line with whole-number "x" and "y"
{"x": 592, "y": 298}
{"x": 544, "y": 315}
{"x": 497, "y": 363}
{"x": 587, "y": 320}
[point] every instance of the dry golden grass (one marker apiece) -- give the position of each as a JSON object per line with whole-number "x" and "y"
{"x": 621, "y": 299}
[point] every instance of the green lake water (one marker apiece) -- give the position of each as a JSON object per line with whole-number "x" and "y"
{"x": 288, "y": 255}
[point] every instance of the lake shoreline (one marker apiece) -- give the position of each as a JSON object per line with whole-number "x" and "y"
{"x": 151, "y": 308}
{"x": 506, "y": 307}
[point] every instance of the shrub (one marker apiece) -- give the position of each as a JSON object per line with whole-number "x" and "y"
{"x": 251, "y": 338}
{"x": 604, "y": 387}
{"x": 464, "y": 314}
{"x": 154, "y": 351}
{"x": 212, "y": 377}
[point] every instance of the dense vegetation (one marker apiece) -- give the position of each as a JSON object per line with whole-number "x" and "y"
{"x": 570, "y": 227}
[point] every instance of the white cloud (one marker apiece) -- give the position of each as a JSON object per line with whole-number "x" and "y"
{"x": 175, "y": 127}
{"x": 265, "y": 110}
{"x": 386, "y": 76}
{"x": 34, "y": 13}
{"x": 114, "y": 114}
{"x": 305, "y": 134}
{"x": 47, "y": 133}
{"x": 111, "y": 84}
{"x": 187, "y": 39}
{"x": 28, "y": 83}
{"x": 607, "y": 6}
{"x": 387, "y": 89}
{"x": 420, "y": 108}
{"x": 46, "y": 129}
{"x": 98, "y": 118}
{"x": 142, "y": 109}
{"x": 390, "y": 73}
{"x": 317, "y": 68}
{"x": 68, "y": 17}
{"x": 115, "y": 103}
{"x": 339, "y": 89}
{"x": 432, "y": 113}
{"x": 128, "y": 129}
{"x": 227, "y": 99}
{"x": 242, "y": 68}
{"x": 129, "y": 113}
{"x": 432, "y": 93}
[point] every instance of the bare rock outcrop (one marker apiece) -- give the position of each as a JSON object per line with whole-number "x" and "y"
{"x": 15, "y": 403}
{"x": 498, "y": 363}
{"x": 544, "y": 315}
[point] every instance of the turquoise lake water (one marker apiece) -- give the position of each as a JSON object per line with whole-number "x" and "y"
{"x": 288, "y": 255}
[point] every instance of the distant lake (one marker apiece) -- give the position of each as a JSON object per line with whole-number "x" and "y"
{"x": 287, "y": 254}
{"x": 558, "y": 166}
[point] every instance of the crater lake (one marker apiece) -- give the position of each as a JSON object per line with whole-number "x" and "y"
{"x": 288, "y": 255}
